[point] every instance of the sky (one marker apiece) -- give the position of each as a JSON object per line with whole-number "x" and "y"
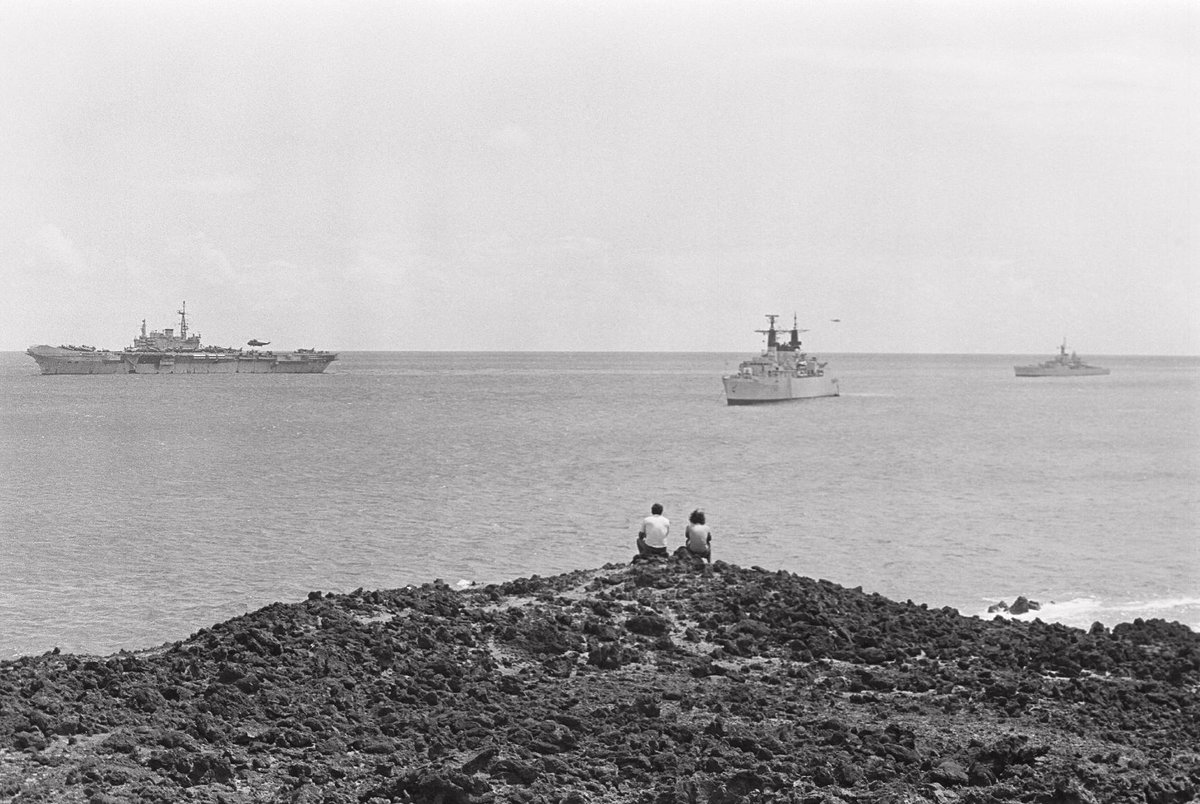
{"x": 603, "y": 175}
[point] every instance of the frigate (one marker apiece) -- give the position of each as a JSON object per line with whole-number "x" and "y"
{"x": 1061, "y": 365}
{"x": 782, "y": 372}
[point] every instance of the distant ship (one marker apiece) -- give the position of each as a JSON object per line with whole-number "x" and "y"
{"x": 167, "y": 353}
{"x": 780, "y": 373}
{"x": 1061, "y": 365}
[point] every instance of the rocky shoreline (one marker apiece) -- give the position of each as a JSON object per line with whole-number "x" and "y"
{"x": 663, "y": 681}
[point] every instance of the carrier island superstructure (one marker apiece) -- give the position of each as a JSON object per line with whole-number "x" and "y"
{"x": 165, "y": 352}
{"x": 782, "y": 372}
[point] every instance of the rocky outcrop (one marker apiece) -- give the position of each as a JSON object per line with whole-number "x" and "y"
{"x": 662, "y": 681}
{"x": 1022, "y": 605}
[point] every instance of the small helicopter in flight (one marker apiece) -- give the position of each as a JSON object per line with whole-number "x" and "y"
{"x": 256, "y": 342}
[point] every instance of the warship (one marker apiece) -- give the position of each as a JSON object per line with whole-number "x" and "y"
{"x": 166, "y": 352}
{"x": 1061, "y": 365}
{"x": 782, "y": 372}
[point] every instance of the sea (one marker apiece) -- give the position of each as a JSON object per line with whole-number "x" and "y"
{"x": 136, "y": 510}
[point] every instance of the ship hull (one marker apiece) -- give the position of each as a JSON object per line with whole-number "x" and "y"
{"x": 53, "y": 360}
{"x": 1039, "y": 371}
{"x": 758, "y": 391}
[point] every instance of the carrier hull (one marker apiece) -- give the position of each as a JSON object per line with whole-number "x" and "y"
{"x": 57, "y": 360}
{"x": 166, "y": 352}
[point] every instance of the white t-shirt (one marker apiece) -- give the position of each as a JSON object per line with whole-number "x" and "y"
{"x": 656, "y": 527}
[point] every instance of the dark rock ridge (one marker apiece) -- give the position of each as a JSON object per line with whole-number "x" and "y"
{"x": 654, "y": 682}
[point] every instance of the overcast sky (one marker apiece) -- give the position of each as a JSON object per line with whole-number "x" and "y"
{"x": 976, "y": 177}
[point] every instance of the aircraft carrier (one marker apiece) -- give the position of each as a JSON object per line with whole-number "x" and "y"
{"x": 166, "y": 352}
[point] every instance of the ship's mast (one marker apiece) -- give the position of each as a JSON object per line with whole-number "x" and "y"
{"x": 770, "y": 331}
{"x": 183, "y": 322}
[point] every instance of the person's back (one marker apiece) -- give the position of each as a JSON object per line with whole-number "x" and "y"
{"x": 655, "y": 529}
{"x": 698, "y": 536}
{"x": 652, "y": 538}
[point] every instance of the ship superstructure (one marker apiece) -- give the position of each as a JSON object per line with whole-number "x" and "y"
{"x": 165, "y": 352}
{"x": 783, "y": 371}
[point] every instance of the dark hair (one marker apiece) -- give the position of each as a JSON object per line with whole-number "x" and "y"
{"x": 656, "y": 509}
{"x": 697, "y": 517}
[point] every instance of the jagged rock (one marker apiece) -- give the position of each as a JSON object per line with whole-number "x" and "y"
{"x": 1023, "y": 605}
{"x": 950, "y": 773}
{"x": 648, "y": 624}
{"x": 650, "y": 683}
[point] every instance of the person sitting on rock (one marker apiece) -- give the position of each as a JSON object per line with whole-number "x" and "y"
{"x": 698, "y": 536}
{"x": 652, "y": 538}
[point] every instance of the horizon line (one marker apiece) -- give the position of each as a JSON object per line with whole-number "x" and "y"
{"x": 699, "y": 352}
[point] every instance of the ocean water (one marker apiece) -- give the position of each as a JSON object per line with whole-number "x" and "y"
{"x": 135, "y": 510}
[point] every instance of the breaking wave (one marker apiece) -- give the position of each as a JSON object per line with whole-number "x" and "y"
{"x": 1082, "y": 612}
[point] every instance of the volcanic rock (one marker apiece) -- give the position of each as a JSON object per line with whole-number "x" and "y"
{"x": 661, "y": 681}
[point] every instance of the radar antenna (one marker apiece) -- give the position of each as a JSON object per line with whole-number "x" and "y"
{"x": 770, "y": 330}
{"x": 795, "y": 344}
